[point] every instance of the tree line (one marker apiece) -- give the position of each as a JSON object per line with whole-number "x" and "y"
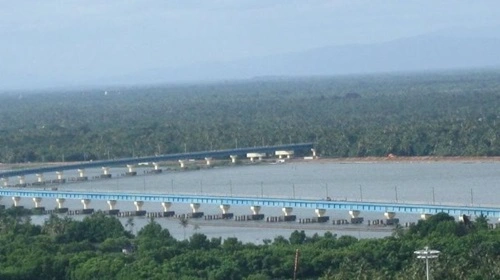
{"x": 426, "y": 114}
{"x": 100, "y": 247}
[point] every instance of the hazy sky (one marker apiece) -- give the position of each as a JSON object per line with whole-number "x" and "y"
{"x": 85, "y": 39}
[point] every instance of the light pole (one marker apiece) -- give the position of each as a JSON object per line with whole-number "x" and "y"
{"x": 427, "y": 254}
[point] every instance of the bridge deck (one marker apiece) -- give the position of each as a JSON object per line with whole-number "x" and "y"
{"x": 267, "y": 202}
{"x": 158, "y": 158}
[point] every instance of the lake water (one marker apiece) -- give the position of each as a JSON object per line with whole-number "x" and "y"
{"x": 462, "y": 183}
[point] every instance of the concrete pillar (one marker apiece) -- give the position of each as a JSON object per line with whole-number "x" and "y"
{"x": 105, "y": 172}
{"x": 195, "y": 207}
{"x": 60, "y": 202}
{"x": 166, "y": 206}
{"x": 130, "y": 170}
{"x": 59, "y": 175}
{"x": 320, "y": 212}
{"x": 234, "y": 158}
{"x": 37, "y": 201}
{"x": 81, "y": 173}
{"x": 390, "y": 215}
{"x": 425, "y": 216}
{"x": 138, "y": 205}
{"x": 22, "y": 180}
{"x": 391, "y": 218}
{"x": 255, "y": 209}
{"x": 39, "y": 178}
{"x": 287, "y": 210}
{"x": 16, "y": 200}
{"x": 354, "y": 213}
{"x": 156, "y": 166}
{"x": 166, "y": 209}
{"x": 182, "y": 163}
{"x": 112, "y": 204}
{"x": 86, "y": 203}
{"x": 208, "y": 160}
{"x": 225, "y": 208}
{"x": 313, "y": 153}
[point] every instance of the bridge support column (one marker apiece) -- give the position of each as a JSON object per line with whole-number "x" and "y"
{"x": 288, "y": 214}
{"x": 314, "y": 153}
{"x": 105, "y": 173}
{"x": 321, "y": 215}
{"x": 225, "y": 211}
{"x": 166, "y": 209}
{"x": 208, "y": 160}
{"x": 256, "y": 213}
{"x": 38, "y": 205}
{"x": 355, "y": 218}
{"x": 40, "y": 180}
{"x": 131, "y": 170}
{"x": 156, "y": 168}
{"x": 390, "y": 218}
{"x": 86, "y": 209}
{"x": 425, "y": 216}
{"x": 81, "y": 175}
{"x": 16, "y": 200}
{"x": 60, "y": 205}
{"x": 138, "y": 208}
{"x": 182, "y": 163}
{"x": 234, "y": 158}
{"x": 59, "y": 177}
{"x": 112, "y": 210}
{"x": 195, "y": 213}
{"x": 22, "y": 181}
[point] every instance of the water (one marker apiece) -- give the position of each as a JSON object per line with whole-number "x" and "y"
{"x": 460, "y": 183}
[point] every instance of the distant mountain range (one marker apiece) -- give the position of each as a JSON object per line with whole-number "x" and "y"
{"x": 421, "y": 53}
{"x": 453, "y": 49}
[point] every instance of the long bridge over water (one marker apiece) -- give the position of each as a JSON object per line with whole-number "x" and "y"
{"x": 254, "y": 203}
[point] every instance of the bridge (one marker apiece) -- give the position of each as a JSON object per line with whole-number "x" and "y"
{"x": 250, "y": 152}
{"x": 320, "y": 206}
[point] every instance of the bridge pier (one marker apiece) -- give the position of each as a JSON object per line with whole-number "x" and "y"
{"x": 234, "y": 158}
{"x": 156, "y": 168}
{"x": 208, "y": 160}
{"x": 166, "y": 209}
{"x": 225, "y": 213}
{"x": 86, "y": 209}
{"x": 16, "y": 200}
{"x": 105, "y": 173}
{"x": 288, "y": 214}
{"x": 321, "y": 215}
{"x": 40, "y": 180}
{"x": 138, "y": 208}
{"x": 60, "y": 204}
{"x": 22, "y": 181}
{"x": 314, "y": 153}
{"x": 355, "y": 218}
{"x": 59, "y": 177}
{"x": 390, "y": 218}
{"x": 38, "y": 205}
{"x": 182, "y": 163}
{"x": 425, "y": 216}
{"x": 253, "y": 156}
{"x": 281, "y": 154}
{"x": 256, "y": 213}
{"x": 81, "y": 175}
{"x": 112, "y": 210}
{"x": 195, "y": 213}
{"x": 130, "y": 170}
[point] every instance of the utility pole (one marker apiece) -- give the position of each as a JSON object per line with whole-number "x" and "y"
{"x": 296, "y": 264}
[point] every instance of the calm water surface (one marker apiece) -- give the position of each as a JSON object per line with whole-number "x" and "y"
{"x": 415, "y": 182}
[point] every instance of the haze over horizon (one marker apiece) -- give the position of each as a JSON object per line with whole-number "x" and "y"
{"x": 85, "y": 43}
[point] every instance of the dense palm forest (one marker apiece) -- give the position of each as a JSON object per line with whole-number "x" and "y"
{"x": 99, "y": 247}
{"x": 433, "y": 114}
